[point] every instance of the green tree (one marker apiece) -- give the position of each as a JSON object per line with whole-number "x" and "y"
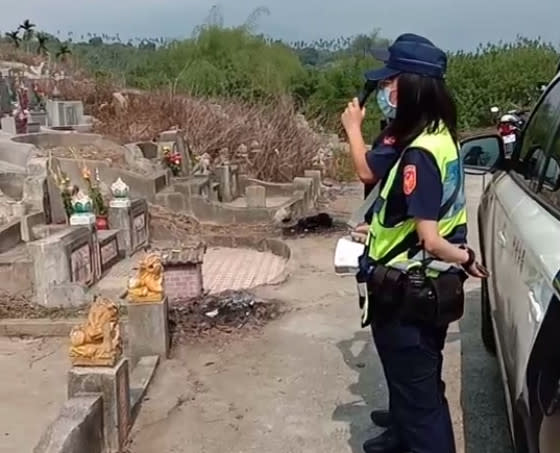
{"x": 63, "y": 52}
{"x": 96, "y": 41}
{"x": 14, "y": 37}
{"x": 42, "y": 40}
{"x": 28, "y": 32}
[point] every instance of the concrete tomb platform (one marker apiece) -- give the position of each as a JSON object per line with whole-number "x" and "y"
{"x": 114, "y": 386}
{"x": 78, "y": 428}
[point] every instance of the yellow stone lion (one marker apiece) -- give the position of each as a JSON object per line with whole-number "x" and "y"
{"x": 147, "y": 286}
{"x": 97, "y": 342}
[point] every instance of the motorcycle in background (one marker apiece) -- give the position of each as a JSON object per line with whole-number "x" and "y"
{"x": 510, "y": 126}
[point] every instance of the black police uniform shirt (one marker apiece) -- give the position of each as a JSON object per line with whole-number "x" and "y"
{"x": 416, "y": 195}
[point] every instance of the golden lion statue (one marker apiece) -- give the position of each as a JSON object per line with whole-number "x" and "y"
{"x": 97, "y": 342}
{"x": 147, "y": 286}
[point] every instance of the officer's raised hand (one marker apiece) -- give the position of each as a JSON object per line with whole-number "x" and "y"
{"x": 353, "y": 117}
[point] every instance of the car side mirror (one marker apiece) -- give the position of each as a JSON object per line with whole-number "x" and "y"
{"x": 482, "y": 154}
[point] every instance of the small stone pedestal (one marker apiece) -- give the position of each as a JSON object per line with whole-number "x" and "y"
{"x": 82, "y": 219}
{"x": 148, "y": 329}
{"x": 113, "y": 384}
{"x": 120, "y": 203}
{"x": 255, "y": 196}
{"x": 8, "y": 125}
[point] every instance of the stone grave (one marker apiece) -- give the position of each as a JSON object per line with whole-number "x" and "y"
{"x": 69, "y": 260}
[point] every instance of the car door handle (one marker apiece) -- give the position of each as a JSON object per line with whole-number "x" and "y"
{"x": 502, "y": 240}
{"x": 535, "y": 308}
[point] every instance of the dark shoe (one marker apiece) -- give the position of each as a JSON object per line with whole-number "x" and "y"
{"x": 387, "y": 442}
{"x": 381, "y": 418}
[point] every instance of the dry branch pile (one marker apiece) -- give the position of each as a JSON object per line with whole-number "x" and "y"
{"x": 269, "y": 139}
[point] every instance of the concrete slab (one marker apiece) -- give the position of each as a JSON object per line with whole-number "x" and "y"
{"x": 237, "y": 269}
{"x": 113, "y": 384}
{"x": 32, "y": 389}
{"x": 79, "y": 427}
{"x": 140, "y": 377}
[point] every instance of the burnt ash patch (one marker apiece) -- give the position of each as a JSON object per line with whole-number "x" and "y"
{"x": 228, "y": 313}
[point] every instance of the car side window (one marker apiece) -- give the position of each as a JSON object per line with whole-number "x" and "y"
{"x": 530, "y": 156}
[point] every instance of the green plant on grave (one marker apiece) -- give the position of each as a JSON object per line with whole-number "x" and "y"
{"x": 99, "y": 206}
{"x": 67, "y": 189}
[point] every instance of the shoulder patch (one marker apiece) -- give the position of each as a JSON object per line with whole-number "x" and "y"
{"x": 409, "y": 179}
{"x": 389, "y": 141}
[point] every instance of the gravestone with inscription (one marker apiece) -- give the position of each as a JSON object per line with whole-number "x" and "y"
{"x": 108, "y": 248}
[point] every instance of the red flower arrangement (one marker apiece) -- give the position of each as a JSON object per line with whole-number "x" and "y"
{"x": 173, "y": 160}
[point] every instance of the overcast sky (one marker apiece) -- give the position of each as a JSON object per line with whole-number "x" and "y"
{"x": 451, "y": 24}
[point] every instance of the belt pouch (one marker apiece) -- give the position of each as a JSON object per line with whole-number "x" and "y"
{"x": 448, "y": 289}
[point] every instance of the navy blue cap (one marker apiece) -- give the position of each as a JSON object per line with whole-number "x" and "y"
{"x": 409, "y": 53}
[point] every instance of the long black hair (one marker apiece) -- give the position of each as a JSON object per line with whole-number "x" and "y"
{"x": 423, "y": 103}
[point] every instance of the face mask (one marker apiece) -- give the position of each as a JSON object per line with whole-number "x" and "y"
{"x": 389, "y": 110}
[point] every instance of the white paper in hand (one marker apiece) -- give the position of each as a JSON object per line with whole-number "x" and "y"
{"x": 346, "y": 256}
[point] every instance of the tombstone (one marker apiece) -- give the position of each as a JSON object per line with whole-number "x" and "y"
{"x": 39, "y": 117}
{"x": 255, "y": 196}
{"x": 65, "y": 113}
{"x": 5, "y": 98}
{"x": 183, "y": 148}
{"x": 228, "y": 178}
{"x": 8, "y": 125}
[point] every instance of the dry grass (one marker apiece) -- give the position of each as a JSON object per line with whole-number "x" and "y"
{"x": 10, "y": 53}
{"x": 266, "y": 138}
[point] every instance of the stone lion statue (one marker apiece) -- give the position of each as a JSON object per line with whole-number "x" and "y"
{"x": 97, "y": 342}
{"x": 147, "y": 286}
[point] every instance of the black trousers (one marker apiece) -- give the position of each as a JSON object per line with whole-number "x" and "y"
{"x": 412, "y": 359}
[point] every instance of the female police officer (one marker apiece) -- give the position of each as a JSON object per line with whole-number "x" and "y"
{"x": 416, "y": 254}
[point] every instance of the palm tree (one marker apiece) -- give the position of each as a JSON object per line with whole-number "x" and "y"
{"x": 42, "y": 39}
{"x": 63, "y": 52}
{"x": 252, "y": 20}
{"x": 14, "y": 36}
{"x": 28, "y": 31}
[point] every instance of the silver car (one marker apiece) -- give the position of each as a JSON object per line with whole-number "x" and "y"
{"x": 519, "y": 230}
